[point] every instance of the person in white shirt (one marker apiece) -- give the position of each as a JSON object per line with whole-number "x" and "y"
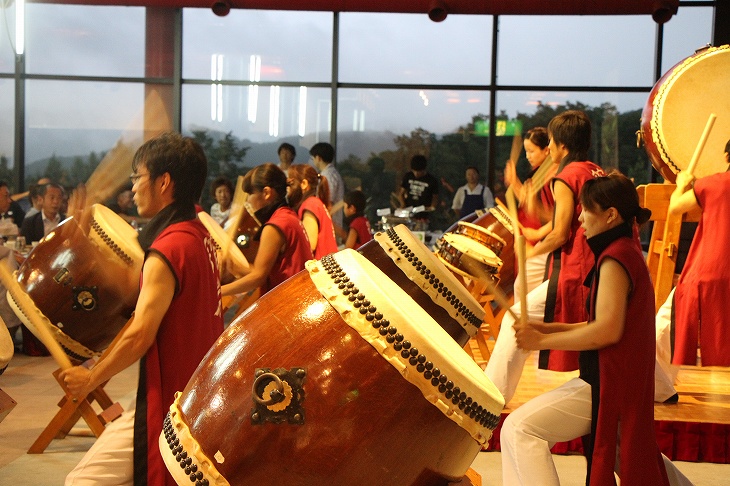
{"x": 472, "y": 195}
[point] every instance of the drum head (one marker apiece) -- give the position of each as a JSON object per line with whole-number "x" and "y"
{"x": 682, "y": 103}
{"x": 109, "y": 230}
{"x": 237, "y": 263}
{"x": 480, "y": 229}
{"x": 472, "y": 248}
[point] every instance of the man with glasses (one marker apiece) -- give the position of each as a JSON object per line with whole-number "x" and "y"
{"x": 177, "y": 319}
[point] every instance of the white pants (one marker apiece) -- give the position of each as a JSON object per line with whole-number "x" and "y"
{"x": 535, "y": 272}
{"x": 507, "y": 361}
{"x": 559, "y": 415}
{"x": 663, "y": 341}
{"x": 505, "y": 364}
{"x": 110, "y": 461}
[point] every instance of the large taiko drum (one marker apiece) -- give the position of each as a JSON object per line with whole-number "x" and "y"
{"x": 415, "y": 269}
{"x": 497, "y": 222}
{"x": 677, "y": 111}
{"x": 337, "y": 377}
{"x": 482, "y": 235}
{"x": 82, "y": 280}
{"x": 6, "y": 347}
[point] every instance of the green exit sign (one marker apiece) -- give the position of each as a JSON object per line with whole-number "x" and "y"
{"x": 504, "y": 128}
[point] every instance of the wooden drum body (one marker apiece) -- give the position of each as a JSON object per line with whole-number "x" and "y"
{"x": 416, "y": 270}
{"x": 6, "y": 347}
{"x": 83, "y": 280}
{"x": 468, "y": 258}
{"x": 349, "y": 383}
{"x": 247, "y": 228}
{"x": 677, "y": 111}
{"x": 497, "y": 222}
{"x": 236, "y": 264}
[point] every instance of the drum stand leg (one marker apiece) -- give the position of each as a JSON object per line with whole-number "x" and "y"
{"x": 471, "y": 478}
{"x": 71, "y": 411}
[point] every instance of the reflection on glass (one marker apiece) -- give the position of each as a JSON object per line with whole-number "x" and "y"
{"x": 291, "y": 46}
{"x": 58, "y": 129}
{"x": 615, "y": 118}
{"x": 379, "y": 130}
{"x": 85, "y": 40}
{"x": 410, "y": 48}
{"x": 688, "y": 31}
{"x": 7, "y": 129}
{"x": 260, "y": 117}
{"x": 7, "y": 40}
{"x": 576, "y": 51}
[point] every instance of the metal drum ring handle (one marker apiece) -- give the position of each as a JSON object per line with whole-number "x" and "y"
{"x": 276, "y": 396}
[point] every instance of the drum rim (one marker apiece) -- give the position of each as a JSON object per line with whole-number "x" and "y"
{"x": 423, "y": 253}
{"x": 18, "y": 298}
{"x": 175, "y": 429}
{"x": 125, "y": 246}
{"x": 660, "y": 92}
{"x": 329, "y": 272}
{"x": 482, "y": 229}
{"x": 475, "y": 245}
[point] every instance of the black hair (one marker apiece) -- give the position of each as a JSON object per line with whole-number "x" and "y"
{"x": 289, "y": 147}
{"x": 356, "y": 198}
{"x": 181, "y": 157}
{"x": 323, "y": 150}
{"x": 221, "y": 181}
{"x": 538, "y": 136}
{"x": 614, "y": 190}
{"x": 419, "y": 162}
{"x": 571, "y": 128}
{"x": 266, "y": 175}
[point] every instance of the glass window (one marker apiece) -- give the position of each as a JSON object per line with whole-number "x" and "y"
{"x": 85, "y": 41}
{"x": 393, "y": 125}
{"x": 410, "y": 48}
{"x": 576, "y": 51}
{"x": 257, "y": 45}
{"x": 259, "y": 117}
{"x": 615, "y": 118}
{"x": 7, "y": 129}
{"x": 689, "y": 30}
{"x": 7, "y": 39}
{"x": 67, "y": 120}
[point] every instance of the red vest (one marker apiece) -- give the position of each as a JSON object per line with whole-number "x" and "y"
{"x": 297, "y": 250}
{"x": 326, "y": 242}
{"x": 191, "y": 325}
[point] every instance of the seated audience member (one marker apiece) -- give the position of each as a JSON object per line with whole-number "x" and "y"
{"x": 11, "y": 218}
{"x": 35, "y": 199}
{"x": 308, "y": 194}
{"x": 611, "y": 403}
{"x": 283, "y": 244}
{"x": 37, "y": 226}
{"x": 222, "y": 191}
{"x": 359, "y": 227}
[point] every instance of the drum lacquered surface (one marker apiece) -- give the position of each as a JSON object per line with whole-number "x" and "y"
{"x": 363, "y": 422}
{"x": 496, "y": 221}
{"x": 677, "y": 111}
{"x": 85, "y": 281}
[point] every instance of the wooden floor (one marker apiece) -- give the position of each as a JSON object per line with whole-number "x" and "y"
{"x": 704, "y": 392}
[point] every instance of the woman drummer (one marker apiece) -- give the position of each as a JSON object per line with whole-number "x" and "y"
{"x": 309, "y": 195}
{"x": 283, "y": 247}
{"x": 530, "y": 217}
{"x": 612, "y": 400}
{"x": 561, "y": 298}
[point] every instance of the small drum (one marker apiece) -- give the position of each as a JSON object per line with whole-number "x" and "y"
{"x": 6, "y": 347}
{"x": 468, "y": 258}
{"x": 482, "y": 235}
{"x": 498, "y": 222}
{"x": 349, "y": 383}
{"x": 236, "y": 264}
{"x": 416, "y": 270}
{"x": 82, "y": 280}
{"x": 677, "y": 110}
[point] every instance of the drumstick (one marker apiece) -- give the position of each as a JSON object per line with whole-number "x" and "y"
{"x": 41, "y": 331}
{"x": 520, "y": 252}
{"x": 701, "y": 144}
